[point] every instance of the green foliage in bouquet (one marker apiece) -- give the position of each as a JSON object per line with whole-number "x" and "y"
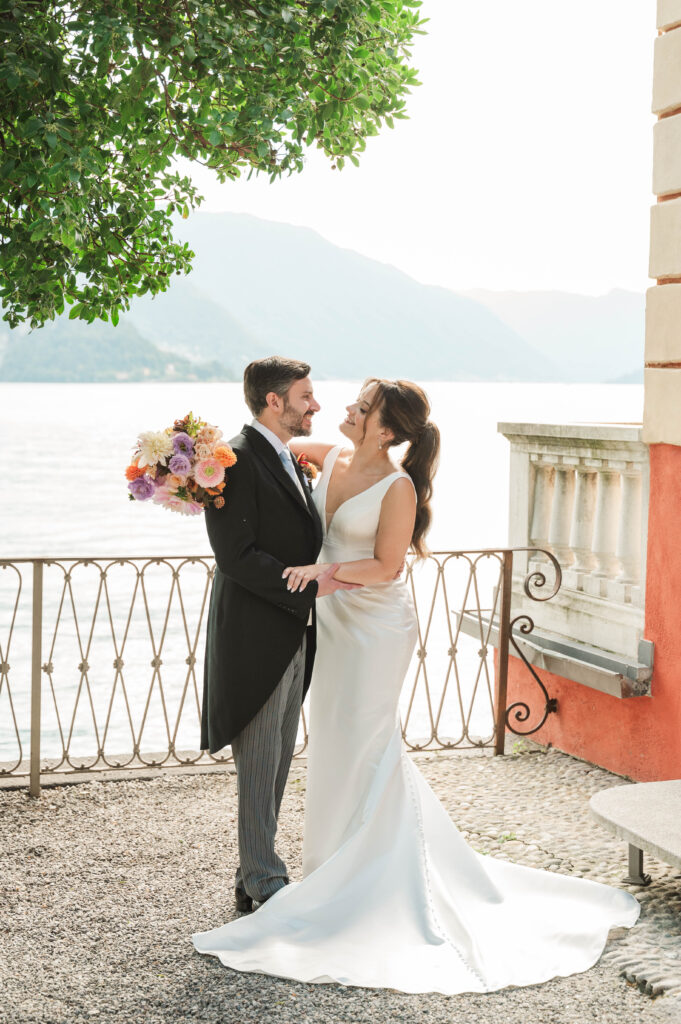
{"x": 99, "y": 99}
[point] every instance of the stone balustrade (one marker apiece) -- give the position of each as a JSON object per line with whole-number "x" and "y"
{"x": 581, "y": 491}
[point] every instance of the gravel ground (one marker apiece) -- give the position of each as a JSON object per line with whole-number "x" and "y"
{"x": 102, "y": 885}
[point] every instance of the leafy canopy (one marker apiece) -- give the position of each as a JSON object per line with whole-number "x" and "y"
{"x": 98, "y": 99}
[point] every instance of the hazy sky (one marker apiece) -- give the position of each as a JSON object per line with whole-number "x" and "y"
{"x": 526, "y": 162}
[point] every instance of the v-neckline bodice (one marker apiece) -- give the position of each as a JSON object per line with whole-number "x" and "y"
{"x": 327, "y": 523}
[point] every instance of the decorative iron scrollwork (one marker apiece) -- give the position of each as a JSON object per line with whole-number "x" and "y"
{"x": 534, "y": 581}
{"x": 537, "y": 579}
{"x": 519, "y": 709}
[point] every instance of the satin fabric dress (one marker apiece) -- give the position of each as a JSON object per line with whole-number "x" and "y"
{"x": 392, "y": 895}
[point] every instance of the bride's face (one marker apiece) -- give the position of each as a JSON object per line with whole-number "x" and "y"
{"x": 361, "y": 426}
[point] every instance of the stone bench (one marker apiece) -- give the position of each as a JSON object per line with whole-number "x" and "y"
{"x": 647, "y": 816}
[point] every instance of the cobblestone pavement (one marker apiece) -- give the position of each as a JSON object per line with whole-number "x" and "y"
{"x": 102, "y": 884}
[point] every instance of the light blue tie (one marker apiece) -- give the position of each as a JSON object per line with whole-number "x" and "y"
{"x": 287, "y": 462}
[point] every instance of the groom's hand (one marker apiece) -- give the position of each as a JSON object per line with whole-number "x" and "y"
{"x": 328, "y": 585}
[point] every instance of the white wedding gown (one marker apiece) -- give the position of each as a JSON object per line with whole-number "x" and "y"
{"x": 392, "y": 895}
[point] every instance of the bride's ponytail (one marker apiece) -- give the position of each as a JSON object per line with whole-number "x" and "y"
{"x": 404, "y": 409}
{"x": 420, "y": 462}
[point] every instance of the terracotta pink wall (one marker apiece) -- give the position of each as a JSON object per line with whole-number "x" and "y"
{"x": 641, "y": 736}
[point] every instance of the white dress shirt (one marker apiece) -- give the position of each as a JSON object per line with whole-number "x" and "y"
{"x": 279, "y": 447}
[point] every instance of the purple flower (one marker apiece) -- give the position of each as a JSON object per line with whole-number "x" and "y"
{"x": 183, "y": 443}
{"x": 180, "y": 465}
{"x": 142, "y": 488}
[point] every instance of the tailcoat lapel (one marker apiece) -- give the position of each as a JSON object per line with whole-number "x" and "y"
{"x": 307, "y": 488}
{"x": 266, "y": 453}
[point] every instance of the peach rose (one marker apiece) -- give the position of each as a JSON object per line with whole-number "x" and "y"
{"x": 209, "y": 434}
{"x": 173, "y": 481}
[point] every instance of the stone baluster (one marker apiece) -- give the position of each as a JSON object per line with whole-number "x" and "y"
{"x": 604, "y": 543}
{"x": 562, "y": 514}
{"x": 629, "y": 534}
{"x": 542, "y": 499}
{"x": 581, "y": 536}
{"x": 580, "y": 491}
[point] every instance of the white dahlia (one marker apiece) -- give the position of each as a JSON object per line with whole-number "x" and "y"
{"x": 155, "y": 446}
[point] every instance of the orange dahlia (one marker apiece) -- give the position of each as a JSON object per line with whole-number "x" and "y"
{"x": 224, "y": 454}
{"x": 133, "y": 471}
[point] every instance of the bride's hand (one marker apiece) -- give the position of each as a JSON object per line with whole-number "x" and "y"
{"x": 298, "y": 576}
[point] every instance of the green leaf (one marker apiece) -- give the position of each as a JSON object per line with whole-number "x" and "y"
{"x": 99, "y": 107}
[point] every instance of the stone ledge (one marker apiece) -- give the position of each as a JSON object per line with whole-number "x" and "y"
{"x": 590, "y": 620}
{"x": 561, "y": 443}
{"x": 645, "y": 815}
{"x": 589, "y": 666}
{"x": 618, "y": 434}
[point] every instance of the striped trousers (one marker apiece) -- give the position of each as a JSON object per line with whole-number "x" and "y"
{"x": 262, "y": 755}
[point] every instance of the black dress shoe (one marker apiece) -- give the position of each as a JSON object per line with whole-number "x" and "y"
{"x": 259, "y": 903}
{"x": 243, "y": 902}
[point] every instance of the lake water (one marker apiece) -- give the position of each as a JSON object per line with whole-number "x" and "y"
{"x": 64, "y": 447}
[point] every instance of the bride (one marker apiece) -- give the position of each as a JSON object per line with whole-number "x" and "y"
{"x": 392, "y": 896}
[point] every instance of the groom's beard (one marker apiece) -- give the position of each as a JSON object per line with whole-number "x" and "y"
{"x": 294, "y": 421}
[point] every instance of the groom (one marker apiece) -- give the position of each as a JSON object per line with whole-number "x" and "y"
{"x": 260, "y": 642}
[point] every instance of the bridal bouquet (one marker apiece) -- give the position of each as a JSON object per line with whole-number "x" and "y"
{"x": 181, "y": 468}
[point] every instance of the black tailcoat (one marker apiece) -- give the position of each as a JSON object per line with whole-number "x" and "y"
{"x": 255, "y": 625}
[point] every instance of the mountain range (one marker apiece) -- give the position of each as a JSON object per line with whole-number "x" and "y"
{"x": 260, "y": 287}
{"x": 592, "y": 338}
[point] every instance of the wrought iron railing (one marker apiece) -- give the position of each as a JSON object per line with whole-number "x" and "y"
{"x": 98, "y": 667}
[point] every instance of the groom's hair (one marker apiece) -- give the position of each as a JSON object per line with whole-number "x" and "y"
{"x": 272, "y": 374}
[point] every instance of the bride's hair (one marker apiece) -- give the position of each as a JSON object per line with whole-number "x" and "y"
{"x": 404, "y": 409}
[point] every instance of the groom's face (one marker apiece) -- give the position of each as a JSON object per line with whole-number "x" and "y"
{"x": 299, "y": 408}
